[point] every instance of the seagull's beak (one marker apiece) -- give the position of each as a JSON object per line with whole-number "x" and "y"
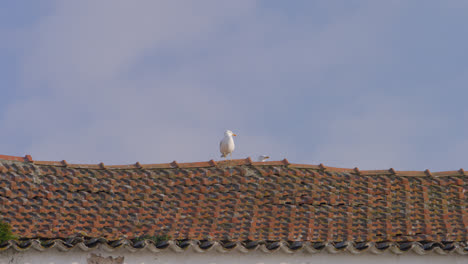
{"x": 234, "y": 134}
{"x": 267, "y": 157}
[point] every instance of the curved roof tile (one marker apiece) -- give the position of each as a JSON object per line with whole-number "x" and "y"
{"x": 271, "y": 205}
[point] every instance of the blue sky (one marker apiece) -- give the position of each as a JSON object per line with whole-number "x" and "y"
{"x": 372, "y": 84}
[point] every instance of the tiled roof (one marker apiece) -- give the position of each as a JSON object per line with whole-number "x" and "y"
{"x": 237, "y": 203}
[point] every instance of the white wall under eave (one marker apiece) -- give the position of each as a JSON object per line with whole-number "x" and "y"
{"x": 77, "y": 256}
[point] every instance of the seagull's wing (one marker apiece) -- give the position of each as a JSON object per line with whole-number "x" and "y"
{"x": 222, "y": 147}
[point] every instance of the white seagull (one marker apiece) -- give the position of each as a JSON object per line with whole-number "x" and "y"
{"x": 226, "y": 146}
{"x": 262, "y": 158}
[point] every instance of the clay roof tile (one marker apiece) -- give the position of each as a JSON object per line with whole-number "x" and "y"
{"x": 239, "y": 199}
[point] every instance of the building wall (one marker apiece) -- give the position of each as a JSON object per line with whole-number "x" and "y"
{"x": 77, "y": 256}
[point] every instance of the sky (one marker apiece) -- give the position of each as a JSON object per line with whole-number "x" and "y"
{"x": 368, "y": 84}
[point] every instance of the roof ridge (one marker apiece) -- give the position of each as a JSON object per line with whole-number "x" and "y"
{"x": 236, "y": 162}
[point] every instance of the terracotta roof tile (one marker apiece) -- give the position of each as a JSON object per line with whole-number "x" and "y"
{"x": 234, "y": 200}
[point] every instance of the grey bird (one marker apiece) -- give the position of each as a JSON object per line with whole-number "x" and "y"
{"x": 262, "y": 158}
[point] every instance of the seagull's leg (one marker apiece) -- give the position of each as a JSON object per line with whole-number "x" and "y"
{"x": 230, "y": 164}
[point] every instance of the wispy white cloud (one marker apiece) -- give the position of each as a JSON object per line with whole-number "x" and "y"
{"x": 156, "y": 81}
